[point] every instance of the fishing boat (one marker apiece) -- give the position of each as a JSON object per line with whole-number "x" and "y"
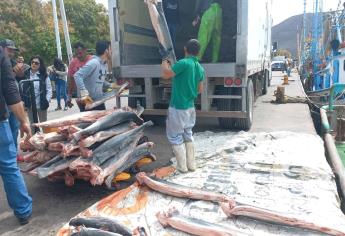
{"x": 322, "y": 72}
{"x": 323, "y": 61}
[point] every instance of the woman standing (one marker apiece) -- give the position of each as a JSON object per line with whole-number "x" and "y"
{"x": 60, "y": 70}
{"x": 40, "y": 88}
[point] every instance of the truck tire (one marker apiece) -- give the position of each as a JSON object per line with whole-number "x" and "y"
{"x": 266, "y": 82}
{"x": 246, "y": 123}
{"x": 225, "y": 105}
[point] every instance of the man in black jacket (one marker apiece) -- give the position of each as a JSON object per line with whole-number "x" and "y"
{"x": 17, "y": 194}
{"x": 10, "y": 50}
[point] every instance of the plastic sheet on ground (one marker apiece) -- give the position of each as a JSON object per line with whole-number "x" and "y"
{"x": 281, "y": 171}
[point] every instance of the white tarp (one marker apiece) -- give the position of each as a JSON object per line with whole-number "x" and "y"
{"x": 281, "y": 171}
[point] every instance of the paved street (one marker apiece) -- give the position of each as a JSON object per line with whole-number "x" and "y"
{"x": 54, "y": 203}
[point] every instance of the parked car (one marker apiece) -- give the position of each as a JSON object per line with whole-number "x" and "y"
{"x": 278, "y": 66}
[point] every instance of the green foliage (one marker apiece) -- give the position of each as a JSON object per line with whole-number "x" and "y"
{"x": 30, "y": 25}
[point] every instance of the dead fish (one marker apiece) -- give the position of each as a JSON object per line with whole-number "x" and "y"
{"x": 181, "y": 191}
{"x": 53, "y": 137}
{"x": 193, "y": 226}
{"x": 106, "y": 134}
{"x": 107, "y": 122}
{"x": 115, "y": 162}
{"x": 57, "y": 164}
{"x": 107, "y": 96}
{"x": 44, "y": 156}
{"x": 38, "y": 142}
{"x": 103, "y": 223}
{"x": 140, "y": 231}
{"x": 82, "y": 117}
{"x": 138, "y": 153}
{"x": 112, "y": 146}
{"x": 94, "y": 232}
{"x": 233, "y": 210}
{"x": 57, "y": 147}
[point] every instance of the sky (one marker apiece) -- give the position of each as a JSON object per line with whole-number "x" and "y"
{"x": 283, "y": 9}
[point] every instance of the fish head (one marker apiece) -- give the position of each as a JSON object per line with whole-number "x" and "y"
{"x": 227, "y": 208}
{"x": 141, "y": 176}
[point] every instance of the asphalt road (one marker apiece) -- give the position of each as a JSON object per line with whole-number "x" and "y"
{"x": 54, "y": 203}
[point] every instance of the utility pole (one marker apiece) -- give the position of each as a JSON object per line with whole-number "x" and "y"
{"x": 65, "y": 30}
{"x": 56, "y": 28}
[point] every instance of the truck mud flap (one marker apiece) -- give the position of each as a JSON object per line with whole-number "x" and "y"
{"x": 166, "y": 48}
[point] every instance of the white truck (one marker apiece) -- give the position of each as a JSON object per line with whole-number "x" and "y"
{"x": 242, "y": 73}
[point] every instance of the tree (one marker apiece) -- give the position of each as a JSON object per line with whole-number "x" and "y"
{"x": 30, "y": 25}
{"x": 89, "y": 20}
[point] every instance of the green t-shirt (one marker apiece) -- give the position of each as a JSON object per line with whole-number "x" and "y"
{"x": 188, "y": 74}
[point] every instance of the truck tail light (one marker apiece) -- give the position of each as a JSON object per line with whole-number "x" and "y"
{"x": 228, "y": 81}
{"x": 238, "y": 81}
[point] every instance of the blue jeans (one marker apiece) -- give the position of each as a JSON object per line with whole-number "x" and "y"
{"x": 179, "y": 125}
{"x": 16, "y": 192}
{"x": 61, "y": 90}
{"x": 14, "y": 124}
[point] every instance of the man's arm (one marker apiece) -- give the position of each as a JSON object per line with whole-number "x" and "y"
{"x": 201, "y": 87}
{"x": 81, "y": 74}
{"x": 19, "y": 112}
{"x": 167, "y": 72}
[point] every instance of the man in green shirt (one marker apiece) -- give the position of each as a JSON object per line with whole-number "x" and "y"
{"x": 187, "y": 76}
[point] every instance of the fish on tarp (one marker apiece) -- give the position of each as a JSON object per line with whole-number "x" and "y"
{"x": 177, "y": 190}
{"x": 233, "y": 210}
{"x": 107, "y": 96}
{"x": 107, "y": 122}
{"x": 82, "y": 117}
{"x": 194, "y": 226}
{"x": 103, "y": 223}
{"x": 115, "y": 144}
{"x": 94, "y": 232}
{"x": 125, "y": 162}
{"x": 106, "y": 134}
{"x": 57, "y": 164}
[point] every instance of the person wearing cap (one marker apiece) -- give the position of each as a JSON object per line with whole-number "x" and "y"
{"x": 10, "y": 50}
{"x": 14, "y": 185}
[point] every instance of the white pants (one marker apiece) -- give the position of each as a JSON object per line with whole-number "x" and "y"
{"x": 179, "y": 125}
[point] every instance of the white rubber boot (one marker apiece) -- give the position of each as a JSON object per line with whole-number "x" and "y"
{"x": 190, "y": 154}
{"x": 180, "y": 154}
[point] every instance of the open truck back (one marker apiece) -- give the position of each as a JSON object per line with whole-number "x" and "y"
{"x": 241, "y": 74}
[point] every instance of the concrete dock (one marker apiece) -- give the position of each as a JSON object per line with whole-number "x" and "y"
{"x": 54, "y": 203}
{"x": 282, "y": 117}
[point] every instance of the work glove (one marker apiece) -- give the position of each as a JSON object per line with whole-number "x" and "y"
{"x": 115, "y": 86}
{"x": 85, "y": 98}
